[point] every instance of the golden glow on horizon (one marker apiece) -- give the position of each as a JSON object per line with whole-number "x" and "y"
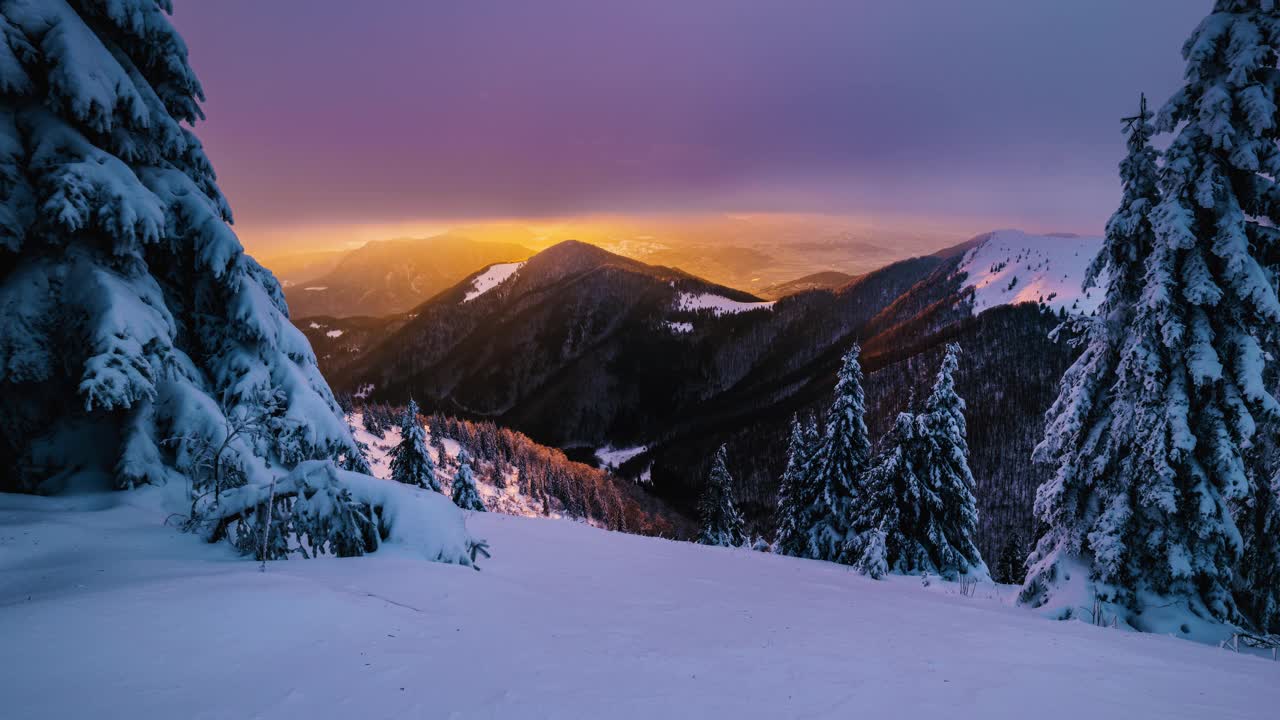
{"x": 610, "y": 230}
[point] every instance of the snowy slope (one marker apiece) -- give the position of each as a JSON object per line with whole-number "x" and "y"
{"x": 1011, "y": 266}
{"x": 507, "y": 500}
{"x": 106, "y": 613}
{"x": 717, "y": 304}
{"x": 491, "y": 278}
{"x": 613, "y": 458}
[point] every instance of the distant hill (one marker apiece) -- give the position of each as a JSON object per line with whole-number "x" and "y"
{"x": 393, "y": 276}
{"x": 828, "y": 280}
{"x": 294, "y": 268}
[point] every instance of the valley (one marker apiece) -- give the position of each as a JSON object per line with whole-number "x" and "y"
{"x": 582, "y": 349}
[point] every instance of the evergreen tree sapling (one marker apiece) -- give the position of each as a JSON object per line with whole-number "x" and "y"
{"x": 410, "y": 462}
{"x": 840, "y": 465}
{"x": 873, "y": 554}
{"x": 465, "y": 493}
{"x": 1009, "y": 568}
{"x": 721, "y": 523}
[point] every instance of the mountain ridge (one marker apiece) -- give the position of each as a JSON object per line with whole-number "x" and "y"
{"x": 583, "y": 349}
{"x": 385, "y": 277}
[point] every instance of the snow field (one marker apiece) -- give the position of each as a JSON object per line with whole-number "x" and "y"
{"x": 717, "y": 304}
{"x": 1012, "y": 267}
{"x": 565, "y": 621}
{"x": 491, "y": 278}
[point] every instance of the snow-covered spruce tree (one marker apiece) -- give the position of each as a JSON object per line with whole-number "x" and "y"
{"x": 891, "y": 481}
{"x": 721, "y": 523}
{"x": 873, "y": 554}
{"x": 917, "y": 502}
{"x": 948, "y": 514}
{"x": 797, "y": 492}
{"x": 465, "y": 493}
{"x": 1154, "y": 430}
{"x": 840, "y": 465}
{"x": 410, "y": 462}
{"x": 1088, "y": 504}
{"x": 135, "y": 330}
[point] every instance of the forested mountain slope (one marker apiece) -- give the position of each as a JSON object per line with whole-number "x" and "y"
{"x": 584, "y": 350}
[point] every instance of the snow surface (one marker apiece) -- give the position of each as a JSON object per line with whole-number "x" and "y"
{"x": 112, "y": 614}
{"x": 1011, "y": 267}
{"x": 717, "y": 304}
{"x": 611, "y": 457}
{"x": 491, "y": 278}
{"x": 680, "y": 328}
{"x": 334, "y": 334}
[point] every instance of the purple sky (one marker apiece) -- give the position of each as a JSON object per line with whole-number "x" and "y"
{"x": 332, "y": 111}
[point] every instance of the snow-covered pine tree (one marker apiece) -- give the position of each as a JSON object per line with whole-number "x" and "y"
{"x": 1087, "y": 506}
{"x": 371, "y": 419}
{"x": 918, "y": 502}
{"x": 1009, "y": 568}
{"x": 873, "y": 554}
{"x": 1153, "y": 430}
{"x": 840, "y": 465}
{"x": 797, "y": 492}
{"x": 410, "y": 462}
{"x": 465, "y": 493}
{"x": 891, "y": 481}
{"x": 949, "y": 512}
{"x": 721, "y": 523}
{"x": 135, "y": 331}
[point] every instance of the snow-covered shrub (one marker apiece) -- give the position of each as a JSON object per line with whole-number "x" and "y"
{"x": 873, "y": 559}
{"x": 320, "y": 509}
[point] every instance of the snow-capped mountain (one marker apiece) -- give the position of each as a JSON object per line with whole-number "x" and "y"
{"x": 583, "y": 349}
{"x": 1008, "y": 267}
